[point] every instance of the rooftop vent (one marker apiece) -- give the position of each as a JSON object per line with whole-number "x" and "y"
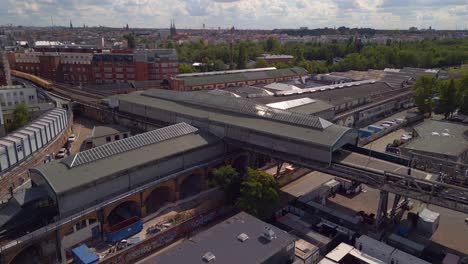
{"x": 445, "y": 134}
{"x": 242, "y": 237}
{"x": 208, "y": 257}
{"x": 435, "y": 134}
{"x": 269, "y": 233}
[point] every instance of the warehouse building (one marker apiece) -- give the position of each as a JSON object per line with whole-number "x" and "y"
{"x": 437, "y": 141}
{"x": 239, "y": 239}
{"x": 224, "y": 79}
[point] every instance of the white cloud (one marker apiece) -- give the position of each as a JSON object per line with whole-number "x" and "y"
{"x": 387, "y": 14}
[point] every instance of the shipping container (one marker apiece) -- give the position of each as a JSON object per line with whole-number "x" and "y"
{"x": 406, "y": 245}
{"x": 375, "y": 128}
{"x": 363, "y": 133}
{"x": 83, "y": 255}
{"x": 428, "y": 221}
{"x": 400, "y": 257}
{"x": 374, "y": 248}
{"x": 124, "y": 229}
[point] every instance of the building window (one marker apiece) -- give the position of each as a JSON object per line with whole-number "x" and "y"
{"x": 108, "y": 139}
{"x": 80, "y": 225}
{"x": 107, "y": 69}
{"x": 119, "y": 76}
{"x": 108, "y": 75}
{"x": 31, "y": 97}
{"x": 117, "y": 137}
{"x": 125, "y": 135}
{"x": 21, "y": 93}
{"x": 119, "y": 69}
{"x": 91, "y": 221}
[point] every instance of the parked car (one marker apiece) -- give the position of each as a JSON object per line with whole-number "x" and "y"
{"x": 71, "y": 138}
{"x": 385, "y": 125}
{"x": 61, "y": 153}
{"x": 405, "y": 138}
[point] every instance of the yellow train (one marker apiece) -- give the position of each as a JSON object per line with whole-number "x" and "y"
{"x": 33, "y": 78}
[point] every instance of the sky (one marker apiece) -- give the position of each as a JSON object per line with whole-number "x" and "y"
{"x": 243, "y": 14}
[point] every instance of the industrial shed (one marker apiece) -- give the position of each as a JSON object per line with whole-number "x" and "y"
{"x": 83, "y": 180}
{"x": 242, "y": 120}
{"x": 24, "y": 142}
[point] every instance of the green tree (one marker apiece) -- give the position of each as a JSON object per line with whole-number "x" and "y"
{"x": 423, "y": 91}
{"x": 229, "y": 180}
{"x": 448, "y": 99}
{"x": 299, "y": 54}
{"x": 185, "y": 68}
{"x": 242, "y": 57}
{"x": 20, "y": 117}
{"x": 259, "y": 193}
{"x": 130, "y": 41}
{"x": 271, "y": 44}
{"x": 463, "y": 95}
{"x": 261, "y": 63}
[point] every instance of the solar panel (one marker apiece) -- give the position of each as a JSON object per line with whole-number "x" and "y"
{"x": 239, "y": 105}
{"x": 131, "y": 143}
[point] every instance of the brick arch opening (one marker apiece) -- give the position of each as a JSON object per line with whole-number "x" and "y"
{"x": 240, "y": 163}
{"x": 192, "y": 185}
{"x": 158, "y": 198}
{"x": 124, "y": 211}
{"x": 29, "y": 255}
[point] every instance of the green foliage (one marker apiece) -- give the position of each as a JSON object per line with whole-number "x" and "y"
{"x": 185, "y": 68}
{"x": 423, "y": 90}
{"x": 229, "y": 180}
{"x": 463, "y": 95}
{"x": 356, "y": 55}
{"x": 242, "y": 57}
{"x": 261, "y": 63}
{"x": 259, "y": 193}
{"x": 448, "y": 98}
{"x": 20, "y": 117}
{"x": 130, "y": 41}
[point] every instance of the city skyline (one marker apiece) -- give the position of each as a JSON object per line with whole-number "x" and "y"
{"x": 242, "y": 14}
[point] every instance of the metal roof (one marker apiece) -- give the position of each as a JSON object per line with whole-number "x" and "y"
{"x": 241, "y": 106}
{"x": 129, "y": 144}
{"x": 229, "y": 76}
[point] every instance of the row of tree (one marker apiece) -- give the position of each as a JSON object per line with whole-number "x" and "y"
{"x": 321, "y": 57}
{"x": 442, "y": 97}
{"x": 255, "y": 192}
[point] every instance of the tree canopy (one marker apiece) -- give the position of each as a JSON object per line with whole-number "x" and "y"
{"x": 20, "y": 117}
{"x": 259, "y": 193}
{"x": 229, "y": 180}
{"x": 423, "y": 91}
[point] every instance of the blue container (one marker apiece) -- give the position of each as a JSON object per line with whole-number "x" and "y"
{"x": 124, "y": 230}
{"x": 363, "y": 133}
{"x": 375, "y": 128}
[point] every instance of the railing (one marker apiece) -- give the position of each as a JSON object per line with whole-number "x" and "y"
{"x": 52, "y": 227}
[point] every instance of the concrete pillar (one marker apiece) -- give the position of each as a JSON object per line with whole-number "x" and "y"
{"x": 382, "y": 209}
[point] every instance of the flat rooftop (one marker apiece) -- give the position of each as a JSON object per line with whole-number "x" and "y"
{"x": 221, "y": 240}
{"x": 101, "y": 131}
{"x": 440, "y": 137}
{"x": 335, "y": 96}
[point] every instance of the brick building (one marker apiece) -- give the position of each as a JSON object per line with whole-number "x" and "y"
{"x": 91, "y": 66}
{"x": 224, "y": 79}
{"x": 4, "y": 70}
{"x": 140, "y": 65}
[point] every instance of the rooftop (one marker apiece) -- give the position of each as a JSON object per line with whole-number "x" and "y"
{"x": 327, "y": 136}
{"x": 105, "y": 161}
{"x": 441, "y": 137}
{"x": 334, "y": 96}
{"x": 101, "y": 131}
{"x": 223, "y": 242}
{"x": 238, "y": 76}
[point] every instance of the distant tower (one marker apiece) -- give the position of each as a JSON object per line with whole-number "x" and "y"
{"x": 126, "y": 27}
{"x": 71, "y": 25}
{"x": 173, "y": 31}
